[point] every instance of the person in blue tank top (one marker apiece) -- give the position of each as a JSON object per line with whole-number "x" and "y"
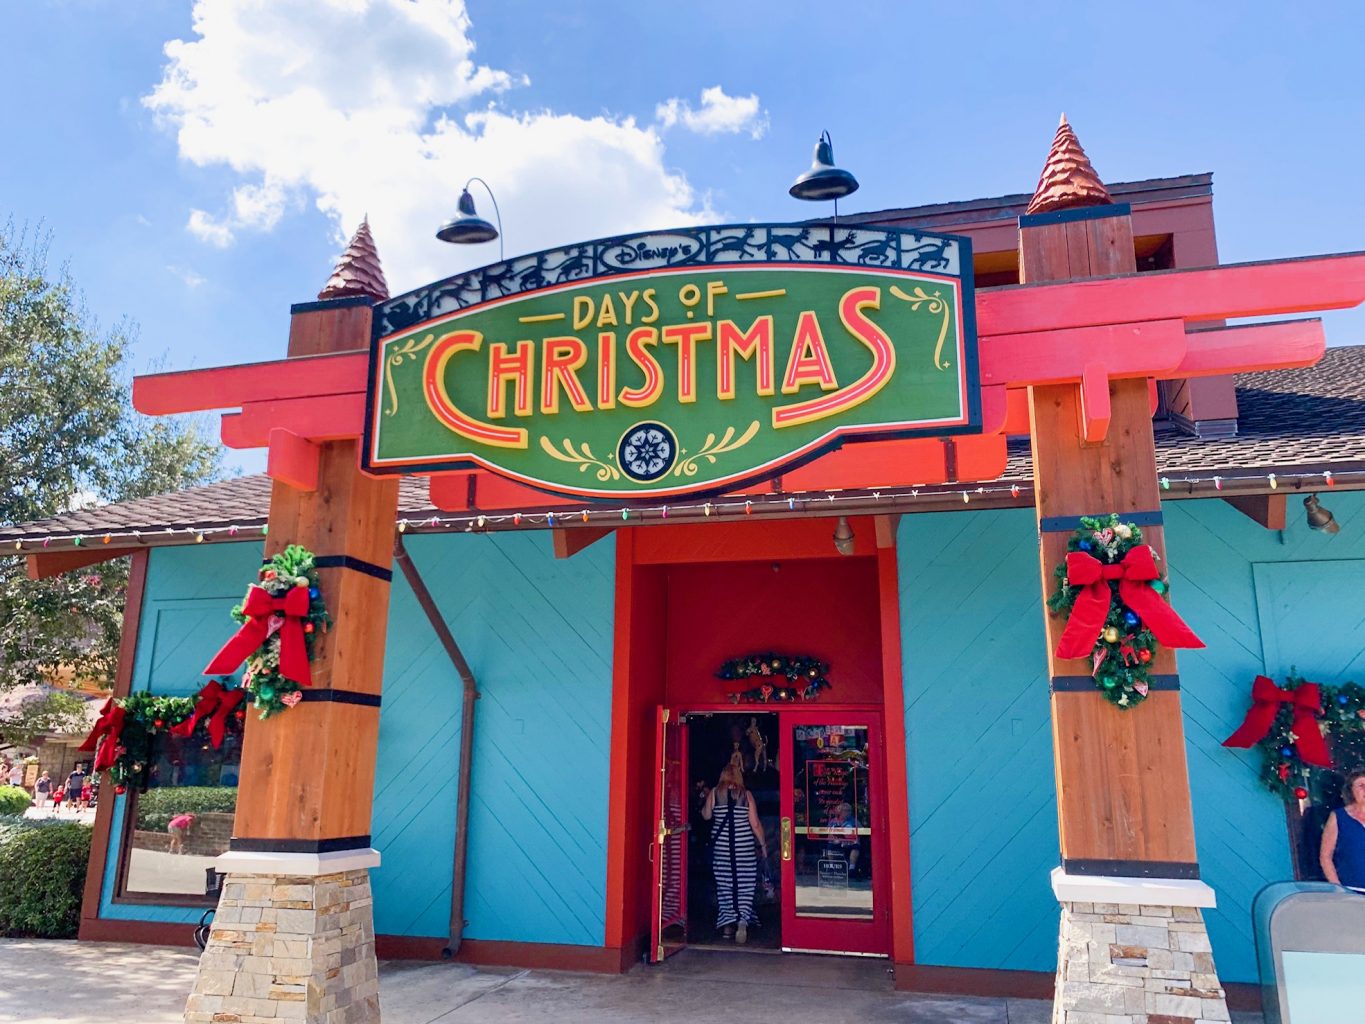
{"x": 1343, "y": 840}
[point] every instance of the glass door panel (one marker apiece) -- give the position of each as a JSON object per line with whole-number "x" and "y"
{"x": 831, "y": 849}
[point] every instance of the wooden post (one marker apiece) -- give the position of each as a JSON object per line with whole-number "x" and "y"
{"x": 293, "y": 938}
{"x": 1129, "y": 867}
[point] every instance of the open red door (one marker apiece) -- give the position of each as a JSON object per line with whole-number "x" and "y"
{"x": 668, "y": 851}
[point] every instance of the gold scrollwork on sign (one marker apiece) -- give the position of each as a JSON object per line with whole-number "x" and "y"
{"x": 582, "y": 457}
{"x": 408, "y": 350}
{"x": 687, "y": 466}
{"x": 933, "y": 303}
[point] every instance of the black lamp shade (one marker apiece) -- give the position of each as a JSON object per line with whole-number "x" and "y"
{"x": 824, "y": 180}
{"x": 468, "y": 227}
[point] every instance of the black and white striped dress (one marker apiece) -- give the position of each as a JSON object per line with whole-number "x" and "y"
{"x": 734, "y": 859}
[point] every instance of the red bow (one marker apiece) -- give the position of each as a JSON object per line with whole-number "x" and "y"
{"x": 213, "y": 700}
{"x": 110, "y": 726}
{"x": 260, "y": 609}
{"x": 1266, "y": 699}
{"x": 1134, "y": 572}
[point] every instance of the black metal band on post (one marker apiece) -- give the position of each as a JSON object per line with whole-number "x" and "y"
{"x": 1087, "y": 684}
{"x": 1175, "y": 869}
{"x": 348, "y": 562}
{"x": 1077, "y": 213}
{"x": 356, "y": 564}
{"x": 328, "y": 694}
{"x": 1065, "y": 524}
{"x": 244, "y": 844}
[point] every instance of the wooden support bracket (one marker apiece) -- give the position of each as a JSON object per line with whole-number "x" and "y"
{"x": 293, "y": 460}
{"x": 42, "y": 564}
{"x": 230, "y": 387}
{"x": 1094, "y": 404}
{"x": 1270, "y": 510}
{"x": 570, "y": 542}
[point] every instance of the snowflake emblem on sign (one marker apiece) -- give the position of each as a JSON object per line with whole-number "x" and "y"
{"x": 647, "y": 451}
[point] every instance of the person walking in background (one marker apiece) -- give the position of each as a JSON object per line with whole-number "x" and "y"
{"x": 16, "y": 774}
{"x": 42, "y": 790}
{"x": 1343, "y": 840}
{"x": 57, "y": 795}
{"x": 735, "y": 831}
{"x": 74, "y": 783}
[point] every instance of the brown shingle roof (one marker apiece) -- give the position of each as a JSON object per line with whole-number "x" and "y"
{"x": 1292, "y": 422}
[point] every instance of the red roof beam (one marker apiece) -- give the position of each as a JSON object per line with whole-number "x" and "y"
{"x": 229, "y": 387}
{"x": 323, "y": 418}
{"x": 1215, "y": 293}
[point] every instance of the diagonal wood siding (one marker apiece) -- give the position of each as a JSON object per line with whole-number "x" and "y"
{"x": 538, "y": 634}
{"x": 983, "y": 816}
{"x": 982, "y": 807}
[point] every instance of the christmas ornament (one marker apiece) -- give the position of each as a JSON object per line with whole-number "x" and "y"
{"x": 281, "y": 618}
{"x": 1109, "y": 587}
{"x": 1302, "y": 731}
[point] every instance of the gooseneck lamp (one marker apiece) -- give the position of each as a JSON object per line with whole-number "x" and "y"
{"x": 468, "y": 228}
{"x": 824, "y": 180}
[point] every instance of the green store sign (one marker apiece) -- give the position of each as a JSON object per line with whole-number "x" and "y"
{"x": 673, "y": 363}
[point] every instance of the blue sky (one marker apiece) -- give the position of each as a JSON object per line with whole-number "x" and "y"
{"x": 199, "y": 165}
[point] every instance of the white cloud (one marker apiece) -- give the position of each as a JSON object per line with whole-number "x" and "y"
{"x": 205, "y": 227}
{"x": 354, "y": 105}
{"x": 190, "y": 278}
{"x": 719, "y": 114}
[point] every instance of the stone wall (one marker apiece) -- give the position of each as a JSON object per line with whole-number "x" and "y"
{"x": 1125, "y": 964}
{"x": 289, "y": 948}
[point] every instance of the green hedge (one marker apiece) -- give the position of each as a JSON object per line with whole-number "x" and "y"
{"x": 42, "y": 875}
{"x": 14, "y": 800}
{"x": 156, "y": 807}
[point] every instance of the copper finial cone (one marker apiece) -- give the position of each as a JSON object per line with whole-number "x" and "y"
{"x": 1068, "y": 180}
{"x": 358, "y": 272}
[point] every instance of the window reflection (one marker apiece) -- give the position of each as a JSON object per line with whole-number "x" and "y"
{"x": 832, "y": 819}
{"x": 184, "y": 820}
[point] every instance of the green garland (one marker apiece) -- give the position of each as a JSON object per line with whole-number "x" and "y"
{"x": 145, "y": 717}
{"x": 1125, "y": 649}
{"x": 1286, "y": 774}
{"x": 270, "y": 691}
{"x": 786, "y": 678}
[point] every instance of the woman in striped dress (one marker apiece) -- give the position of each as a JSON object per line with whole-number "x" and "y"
{"x": 736, "y": 841}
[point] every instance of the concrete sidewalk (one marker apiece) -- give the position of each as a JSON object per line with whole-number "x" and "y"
{"x": 102, "y": 983}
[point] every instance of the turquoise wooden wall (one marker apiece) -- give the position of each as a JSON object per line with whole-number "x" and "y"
{"x": 185, "y": 619}
{"x": 537, "y": 632}
{"x": 982, "y": 804}
{"x": 983, "y": 815}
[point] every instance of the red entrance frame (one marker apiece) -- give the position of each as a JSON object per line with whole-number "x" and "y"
{"x": 636, "y": 695}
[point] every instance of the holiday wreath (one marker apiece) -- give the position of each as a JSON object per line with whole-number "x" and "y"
{"x": 1110, "y": 588}
{"x": 1304, "y": 732}
{"x": 125, "y": 739}
{"x": 785, "y": 677}
{"x": 281, "y": 618}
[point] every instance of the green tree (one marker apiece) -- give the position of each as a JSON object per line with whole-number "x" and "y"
{"x": 68, "y": 437}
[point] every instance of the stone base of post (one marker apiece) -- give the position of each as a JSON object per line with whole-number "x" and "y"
{"x": 1133, "y": 961}
{"x": 290, "y": 945}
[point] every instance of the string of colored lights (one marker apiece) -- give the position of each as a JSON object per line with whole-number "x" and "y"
{"x": 727, "y": 507}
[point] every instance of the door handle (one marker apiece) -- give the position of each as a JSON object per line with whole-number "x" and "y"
{"x": 786, "y": 839}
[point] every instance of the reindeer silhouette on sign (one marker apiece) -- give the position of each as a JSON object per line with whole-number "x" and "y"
{"x": 881, "y": 250}
{"x": 740, "y": 245}
{"x": 834, "y": 247}
{"x": 931, "y": 255}
{"x": 789, "y": 242}
{"x": 573, "y": 266}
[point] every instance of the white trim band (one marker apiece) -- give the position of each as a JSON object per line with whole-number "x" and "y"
{"x": 1153, "y": 892}
{"x": 243, "y": 862}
